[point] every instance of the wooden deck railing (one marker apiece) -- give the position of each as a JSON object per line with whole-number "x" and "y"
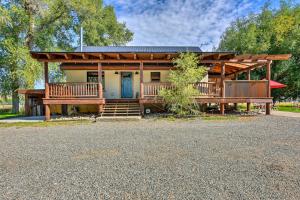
{"x": 246, "y": 88}
{"x": 205, "y": 88}
{"x": 73, "y": 90}
{"x": 152, "y": 89}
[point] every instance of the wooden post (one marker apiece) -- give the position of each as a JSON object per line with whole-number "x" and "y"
{"x": 248, "y": 78}
{"x": 222, "y": 87}
{"x": 47, "y": 112}
{"x": 142, "y": 87}
{"x": 46, "y": 80}
{"x": 100, "y": 87}
{"x": 222, "y": 108}
{"x": 235, "y": 104}
{"x": 47, "y": 106}
{"x": 268, "y": 77}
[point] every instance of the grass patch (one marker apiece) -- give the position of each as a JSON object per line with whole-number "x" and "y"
{"x": 44, "y": 124}
{"x": 288, "y": 109}
{"x": 8, "y": 115}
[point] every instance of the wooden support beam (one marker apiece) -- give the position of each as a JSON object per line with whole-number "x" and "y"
{"x": 67, "y": 56}
{"x": 235, "y": 104}
{"x": 141, "y": 80}
{"x": 231, "y": 61}
{"x": 134, "y": 56}
{"x": 101, "y": 56}
{"x": 222, "y": 86}
{"x": 142, "y": 109}
{"x": 100, "y": 108}
{"x": 105, "y": 60}
{"x": 47, "y": 112}
{"x": 84, "y": 56}
{"x": 258, "y": 65}
{"x": 168, "y": 56}
{"x": 151, "y": 56}
{"x": 46, "y": 76}
{"x": 268, "y": 77}
{"x": 47, "y": 106}
{"x": 222, "y": 108}
{"x": 48, "y": 56}
{"x": 100, "y": 88}
{"x": 248, "y": 78}
{"x": 118, "y": 56}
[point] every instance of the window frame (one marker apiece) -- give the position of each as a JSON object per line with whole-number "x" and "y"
{"x": 94, "y": 74}
{"x": 154, "y": 78}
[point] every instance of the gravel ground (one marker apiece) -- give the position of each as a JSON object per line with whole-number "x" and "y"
{"x": 253, "y": 158}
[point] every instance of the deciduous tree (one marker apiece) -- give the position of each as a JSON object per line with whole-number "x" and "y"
{"x": 270, "y": 32}
{"x": 49, "y": 25}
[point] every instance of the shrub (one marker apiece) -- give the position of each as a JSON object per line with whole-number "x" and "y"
{"x": 179, "y": 100}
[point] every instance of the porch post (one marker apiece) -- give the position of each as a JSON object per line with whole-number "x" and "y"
{"x": 268, "y": 77}
{"x": 47, "y": 106}
{"x": 222, "y": 87}
{"x": 248, "y": 78}
{"x": 142, "y": 87}
{"x": 235, "y": 104}
{"x": 100, "y": 87}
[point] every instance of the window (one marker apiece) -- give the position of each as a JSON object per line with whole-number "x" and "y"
{"x": 93, "y": 77}
{"x": 155, "y": 76}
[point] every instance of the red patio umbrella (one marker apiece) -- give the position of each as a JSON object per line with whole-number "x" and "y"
{"x": 275, "y": 84}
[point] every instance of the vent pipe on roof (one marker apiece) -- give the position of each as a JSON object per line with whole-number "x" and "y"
{"x": 81, "y": 39}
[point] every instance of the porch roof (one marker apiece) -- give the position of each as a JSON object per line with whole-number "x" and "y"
{"x": 156, "y": 55}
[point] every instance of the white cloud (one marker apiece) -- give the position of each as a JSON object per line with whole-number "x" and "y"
{"x": 180, "y": 22}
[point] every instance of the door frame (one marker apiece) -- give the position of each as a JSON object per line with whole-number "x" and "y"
{"x": 132, "y": 84}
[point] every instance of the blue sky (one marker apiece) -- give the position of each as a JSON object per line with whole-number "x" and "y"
{"x": 182, "y": 22}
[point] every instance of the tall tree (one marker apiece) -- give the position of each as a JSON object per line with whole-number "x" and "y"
{"x": 272, "y": 32}
{"x": 49, "y": 25}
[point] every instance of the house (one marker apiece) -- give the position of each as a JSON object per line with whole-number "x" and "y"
{"x": 131, "y": 77}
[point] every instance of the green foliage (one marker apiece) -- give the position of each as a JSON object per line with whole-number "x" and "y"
{"x": 270, "y": 32}
{"x": 179, "y": 99}
{"x": 49, "y": 25}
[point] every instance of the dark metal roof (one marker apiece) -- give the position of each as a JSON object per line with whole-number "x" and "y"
{"x": 139, "y": 49}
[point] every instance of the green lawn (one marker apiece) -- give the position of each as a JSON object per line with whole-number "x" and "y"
{"x": 8, "y": 115}
{"x": 288, "y": 109}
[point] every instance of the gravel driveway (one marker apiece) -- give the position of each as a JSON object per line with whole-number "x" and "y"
{"x": 253, "y": 158}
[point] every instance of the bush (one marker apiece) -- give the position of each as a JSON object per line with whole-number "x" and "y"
{"x": 180, "y": 99}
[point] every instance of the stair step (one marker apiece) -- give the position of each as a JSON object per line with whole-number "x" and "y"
{"x": 135, "y": 111}
{"x": 121, "y": 106}
{"x": 124, "y": 114}
{"x": 121, "y": 103}
{"x": 112, "y": 109}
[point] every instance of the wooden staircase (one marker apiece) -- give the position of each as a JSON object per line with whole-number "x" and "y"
{"x": 121, "y": 109}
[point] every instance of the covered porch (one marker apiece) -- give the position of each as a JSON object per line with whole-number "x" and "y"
{"x": 222, "y": 86}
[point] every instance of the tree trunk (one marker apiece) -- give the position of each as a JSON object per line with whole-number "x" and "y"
{"x": 15, "y": 102}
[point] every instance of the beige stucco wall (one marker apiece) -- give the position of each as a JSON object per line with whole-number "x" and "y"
{"x": 113, "y": 81}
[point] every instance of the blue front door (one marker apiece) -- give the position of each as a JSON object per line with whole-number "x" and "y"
{"x": 126, "y": 85}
